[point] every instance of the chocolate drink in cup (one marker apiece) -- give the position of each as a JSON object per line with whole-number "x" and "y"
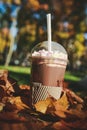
{"x": 48, "y": 69}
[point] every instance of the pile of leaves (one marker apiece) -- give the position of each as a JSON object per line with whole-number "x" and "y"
{"x": 70, "y": 109}
{"x": 13, "y": 97}
{"x": 68, "y": 112}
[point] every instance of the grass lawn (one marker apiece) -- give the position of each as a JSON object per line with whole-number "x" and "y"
{"x": 22, "y": 74}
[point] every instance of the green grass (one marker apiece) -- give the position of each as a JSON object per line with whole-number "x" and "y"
{"x": 22, "y": 74}
{"x": 71, "y": 77}
{"x": 17, "y": 69}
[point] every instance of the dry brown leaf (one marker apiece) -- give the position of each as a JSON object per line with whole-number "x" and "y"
{"x": 2, "y": 92}
{"x": 1, "y": 106}
{"x": 60, "y": 126}
{"x": 3, "y": 73}
{"x": 79, "y": 124}
{"x": 9, "y": 107}
{"x": 14, "y": 103}
{"x": 72, "y": 97}
{"x": 79, "y": 113}
{"x": 62, "y": 103}
{"x": 18, "y": 102}
{"x": 60, "y": 114}
{"x": 7, "y": 86}
{"x": 24, "y": 87}
{"x": 11, "y": 116}
{"x": 42, "y": 106}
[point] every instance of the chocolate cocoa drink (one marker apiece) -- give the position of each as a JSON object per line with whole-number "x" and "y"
{"x": 47, "y": 71}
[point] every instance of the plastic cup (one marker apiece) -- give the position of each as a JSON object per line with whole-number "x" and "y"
{"x": 47, "y": 71}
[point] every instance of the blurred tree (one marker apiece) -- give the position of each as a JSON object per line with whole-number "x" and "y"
{"x": 5, "y": 41}
{"x": 26, "y": 39}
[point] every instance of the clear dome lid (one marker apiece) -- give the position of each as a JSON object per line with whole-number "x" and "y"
{"x": 54, "y": 47}
{"x": 42, "y": 50}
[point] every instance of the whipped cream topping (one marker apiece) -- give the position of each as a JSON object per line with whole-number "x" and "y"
{"x": 53, "y": 54}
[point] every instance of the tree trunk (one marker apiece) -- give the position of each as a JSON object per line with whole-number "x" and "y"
{"x": 9, "y": 55}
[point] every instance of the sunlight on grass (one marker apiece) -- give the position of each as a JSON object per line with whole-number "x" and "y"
{"x": 26, "y": 70}
{"x": 70, "y": 76}
{"x": 18, "y": 69}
